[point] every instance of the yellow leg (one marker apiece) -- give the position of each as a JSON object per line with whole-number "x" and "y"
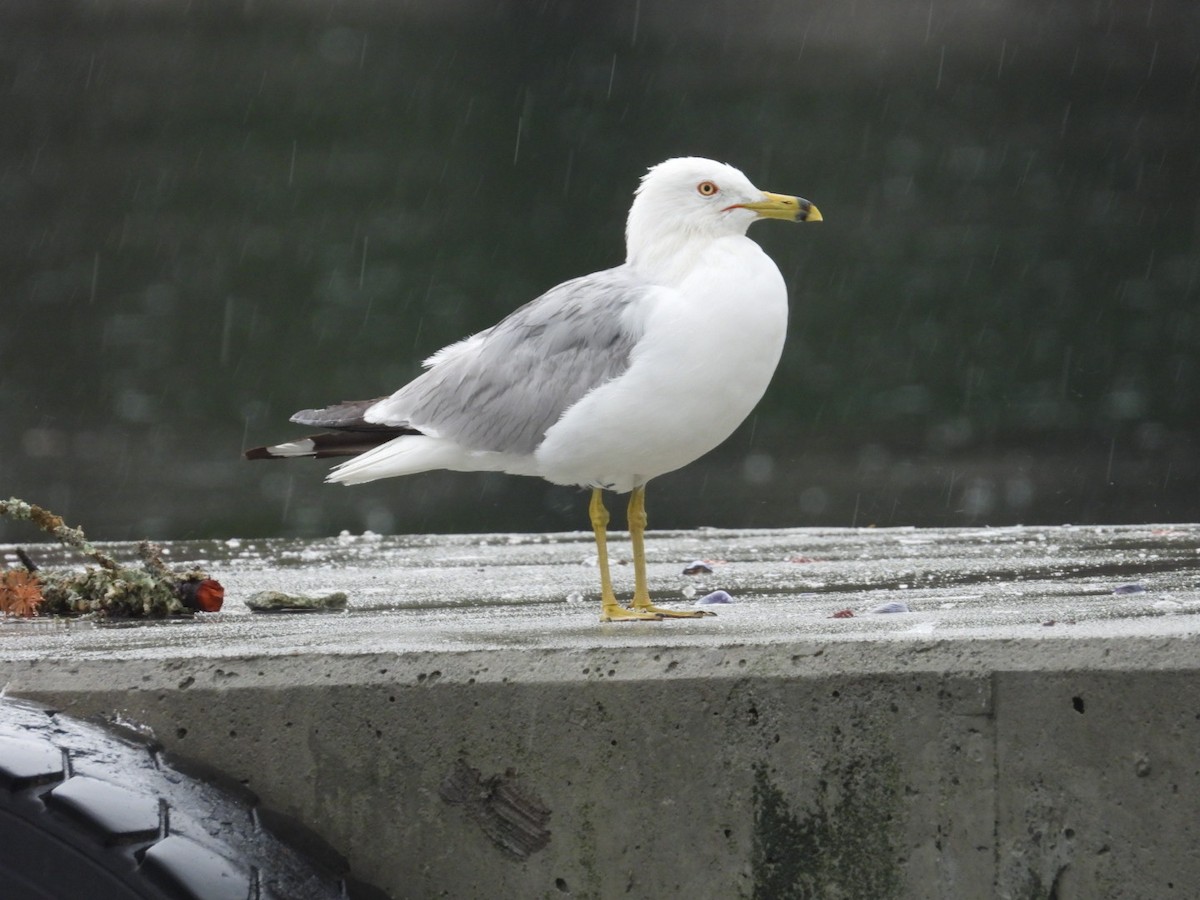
{"x": 610, "y": 609}
{"x": 637, "y": 531}
{"x": 641, "y": 593}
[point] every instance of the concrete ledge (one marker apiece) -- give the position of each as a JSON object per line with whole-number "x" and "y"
{"x": 964, "y": 749}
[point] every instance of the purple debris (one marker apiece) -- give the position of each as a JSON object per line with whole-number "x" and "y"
{"x": 1129, "y": 589}
{"x": 714, "y": 597}
{"x": 893, "y": 607}
{"x": 697, "y": 567}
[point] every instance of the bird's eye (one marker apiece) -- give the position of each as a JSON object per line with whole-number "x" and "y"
{"x": 706, "y": 188}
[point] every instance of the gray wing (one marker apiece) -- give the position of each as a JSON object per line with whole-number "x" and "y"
{"x": 346, "y": 415}
{"x": 504, "y": 387}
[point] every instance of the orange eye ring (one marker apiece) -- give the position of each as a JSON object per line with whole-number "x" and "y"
{"x": 707, "y": 188}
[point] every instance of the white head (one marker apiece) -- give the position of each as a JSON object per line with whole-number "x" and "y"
{"x": 689, "y": 198}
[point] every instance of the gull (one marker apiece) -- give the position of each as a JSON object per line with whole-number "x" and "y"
{"x": 605, "y": 381}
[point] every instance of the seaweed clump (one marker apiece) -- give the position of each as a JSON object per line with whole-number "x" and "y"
{"x": 152, "y": 591}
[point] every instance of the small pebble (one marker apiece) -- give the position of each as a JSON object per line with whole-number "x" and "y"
{"x": 1129, "y": 589}
{"x": 697, "y": 567}
{"x": 1141, "y": 765}
{"x": 714, "y": 597}
{"x": 278, "y": 601}
{"x": 893, "y": 607}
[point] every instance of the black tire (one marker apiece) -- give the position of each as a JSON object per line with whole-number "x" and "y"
{"x": 87, "y": 814}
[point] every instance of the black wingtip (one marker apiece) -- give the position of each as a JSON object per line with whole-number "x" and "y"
{"x": 330, "y": 444}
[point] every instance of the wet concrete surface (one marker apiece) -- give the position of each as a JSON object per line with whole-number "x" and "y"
{"x": 1028, "y": 728}
{"x": 471, "y": 592}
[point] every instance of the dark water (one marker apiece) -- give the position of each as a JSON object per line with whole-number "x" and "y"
{"x": 214, "y": 214}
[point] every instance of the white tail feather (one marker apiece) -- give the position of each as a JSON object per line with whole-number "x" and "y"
{"x": 405, "y": 455}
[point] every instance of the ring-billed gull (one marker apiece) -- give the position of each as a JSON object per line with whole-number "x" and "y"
{"x": 604, "y": 381}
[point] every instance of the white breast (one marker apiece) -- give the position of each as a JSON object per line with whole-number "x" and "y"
{"x": 710, "y": 346}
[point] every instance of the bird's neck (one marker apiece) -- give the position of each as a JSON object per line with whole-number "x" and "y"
{"x": 670, "y": 258}
{"x": 664, "y": 246}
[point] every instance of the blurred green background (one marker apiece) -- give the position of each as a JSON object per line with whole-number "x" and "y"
{"x": 215, "y": 213}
